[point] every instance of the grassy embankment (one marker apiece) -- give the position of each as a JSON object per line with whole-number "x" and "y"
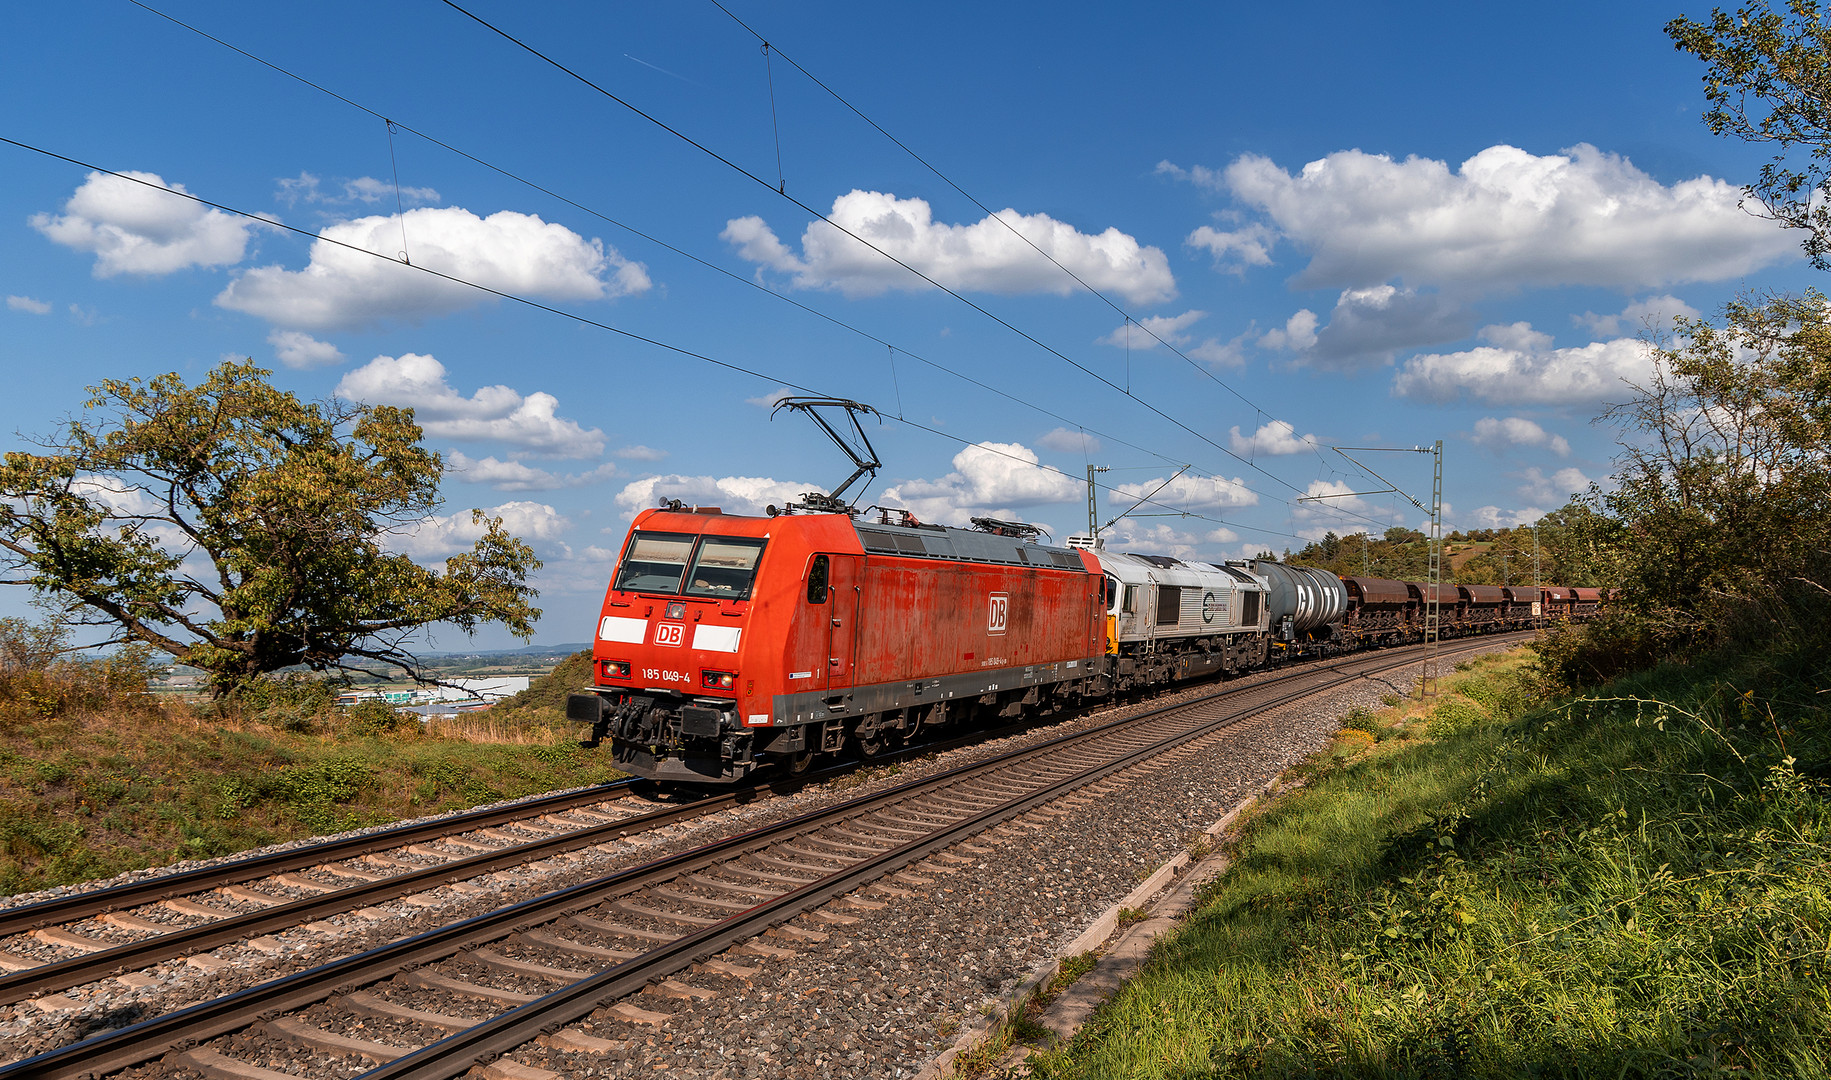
{"x": 1631, "y": 882}
{"x": 96, "y": 778}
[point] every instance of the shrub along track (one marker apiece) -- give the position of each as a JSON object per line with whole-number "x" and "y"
{"x": 425, "y": 993}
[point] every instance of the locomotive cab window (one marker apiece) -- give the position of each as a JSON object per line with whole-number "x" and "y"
{"x": 655, "y": 562}
{"x": 816, "y": 580}
{"x": 724, "y": 568}
{"x": 1129, "y": 604}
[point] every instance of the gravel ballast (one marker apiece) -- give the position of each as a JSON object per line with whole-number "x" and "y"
{"x": 877, "y": 997}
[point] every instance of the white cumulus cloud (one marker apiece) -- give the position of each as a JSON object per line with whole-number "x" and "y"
{"x": 1519, "y": 366}
{"x": 1298, "y": 334}
{"x": 733, "y": 494}
{"x": 1368, "y": 327}
{"x": 507, "y": 251}
{"x": 520, "y": 476}
{"x": 297, "y": 349}
{"x": 1501, "y": 435}
{"x": 308, "y": 188}
{"x": 1493, "y": 517}
{"x": 492, "y": 413}
{"x": 1556, "y": 489}
{"x": 1153, "y": 539}
{"x": 989, "y": 478}
{"x": 984, "y": 256}
{"x": 441, "y": 537}
{"x": 1063, "y": 441}
{"x": 1273, "y": 437}
{"x": 1653, "y": 313}
{"x": 143, "y": 228}
{"x": 1501, "y": 219}
{"x": 1194, "y": 493}
{"x": 1145, "y": 334}
{"x": 1330, "y": 506}
{"x": 1148, "y": 331}
{"x": 1235, "y": 249}
{"x": 29, "y": 305}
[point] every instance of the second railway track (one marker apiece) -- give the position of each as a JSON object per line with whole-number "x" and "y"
{"x": 451, "y": 997}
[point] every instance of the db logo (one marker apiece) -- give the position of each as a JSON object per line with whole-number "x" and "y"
{"x": 671, "y": 633}
{"x": 1000, "y": 613}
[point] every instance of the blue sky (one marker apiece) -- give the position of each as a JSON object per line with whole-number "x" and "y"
{"x": 1361, "y": 225}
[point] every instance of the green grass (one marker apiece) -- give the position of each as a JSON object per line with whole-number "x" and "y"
{"x": 1632, "y": 884}
{"x": 89, "y": 793}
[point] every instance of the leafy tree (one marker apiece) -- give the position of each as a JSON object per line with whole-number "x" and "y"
{"x": 1768, "y": 80}
{"x": 1724, "y": 486}
{"x": 243, "y": 531}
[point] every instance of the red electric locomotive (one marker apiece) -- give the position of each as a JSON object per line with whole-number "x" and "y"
{"x": 727, "y": 642}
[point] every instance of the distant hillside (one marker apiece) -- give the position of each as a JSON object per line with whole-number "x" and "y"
{"x": 549, "y": 691}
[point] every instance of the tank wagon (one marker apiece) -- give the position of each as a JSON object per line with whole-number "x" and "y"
{"x": 727, "y": 643}
{"x": 1306, "y": 604}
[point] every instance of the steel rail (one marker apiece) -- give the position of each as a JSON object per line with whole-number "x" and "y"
{"x": 179, "y": 1030}
{"x": 456, "y": 1054}
{"x": 77, "y": 970}
{"x": 88, "y": 904}
{"x": 150, "y": 890}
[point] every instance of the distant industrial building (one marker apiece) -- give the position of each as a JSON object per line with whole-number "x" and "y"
{"x": 461, "y": 695}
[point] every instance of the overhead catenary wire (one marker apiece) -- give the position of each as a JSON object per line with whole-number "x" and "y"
{"x": 561, "y": 312}
{"x": 990, "y": 213}
{"x": 970, "y": 197}
{"x": 663, "y": 244}
{"x": 804, "y": 207}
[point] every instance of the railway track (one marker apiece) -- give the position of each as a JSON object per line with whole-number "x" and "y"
{"x": 83, "y": 937}
{"x": 438, "y": 1003}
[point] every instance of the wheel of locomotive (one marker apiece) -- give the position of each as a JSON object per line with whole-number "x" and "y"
{"x": 868, "y": 738}
{"x": 801, "y": 761}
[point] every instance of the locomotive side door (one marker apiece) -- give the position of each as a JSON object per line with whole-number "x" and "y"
{"x": 845, "y": 582}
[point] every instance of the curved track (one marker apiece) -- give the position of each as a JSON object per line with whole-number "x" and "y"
{"x": 647, "y": 924}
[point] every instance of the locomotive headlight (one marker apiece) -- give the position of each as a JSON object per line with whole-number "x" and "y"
{"x": 718, "y": 680}
{"x": 614, "y": 669}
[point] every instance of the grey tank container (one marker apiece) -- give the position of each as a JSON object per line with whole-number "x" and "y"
{"x": 1302, "y": 599}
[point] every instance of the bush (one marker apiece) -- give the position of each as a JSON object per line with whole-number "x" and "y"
{"x": 1574, "y": 657}
{"x": 373, "y": 716}
{"x": 36, "y": 677}
{"x": 1360, "y": 718}
{"x": 1453, "y": 716}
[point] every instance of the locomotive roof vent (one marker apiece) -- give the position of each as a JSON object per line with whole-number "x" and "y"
{"x": 1086, "y": 542}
